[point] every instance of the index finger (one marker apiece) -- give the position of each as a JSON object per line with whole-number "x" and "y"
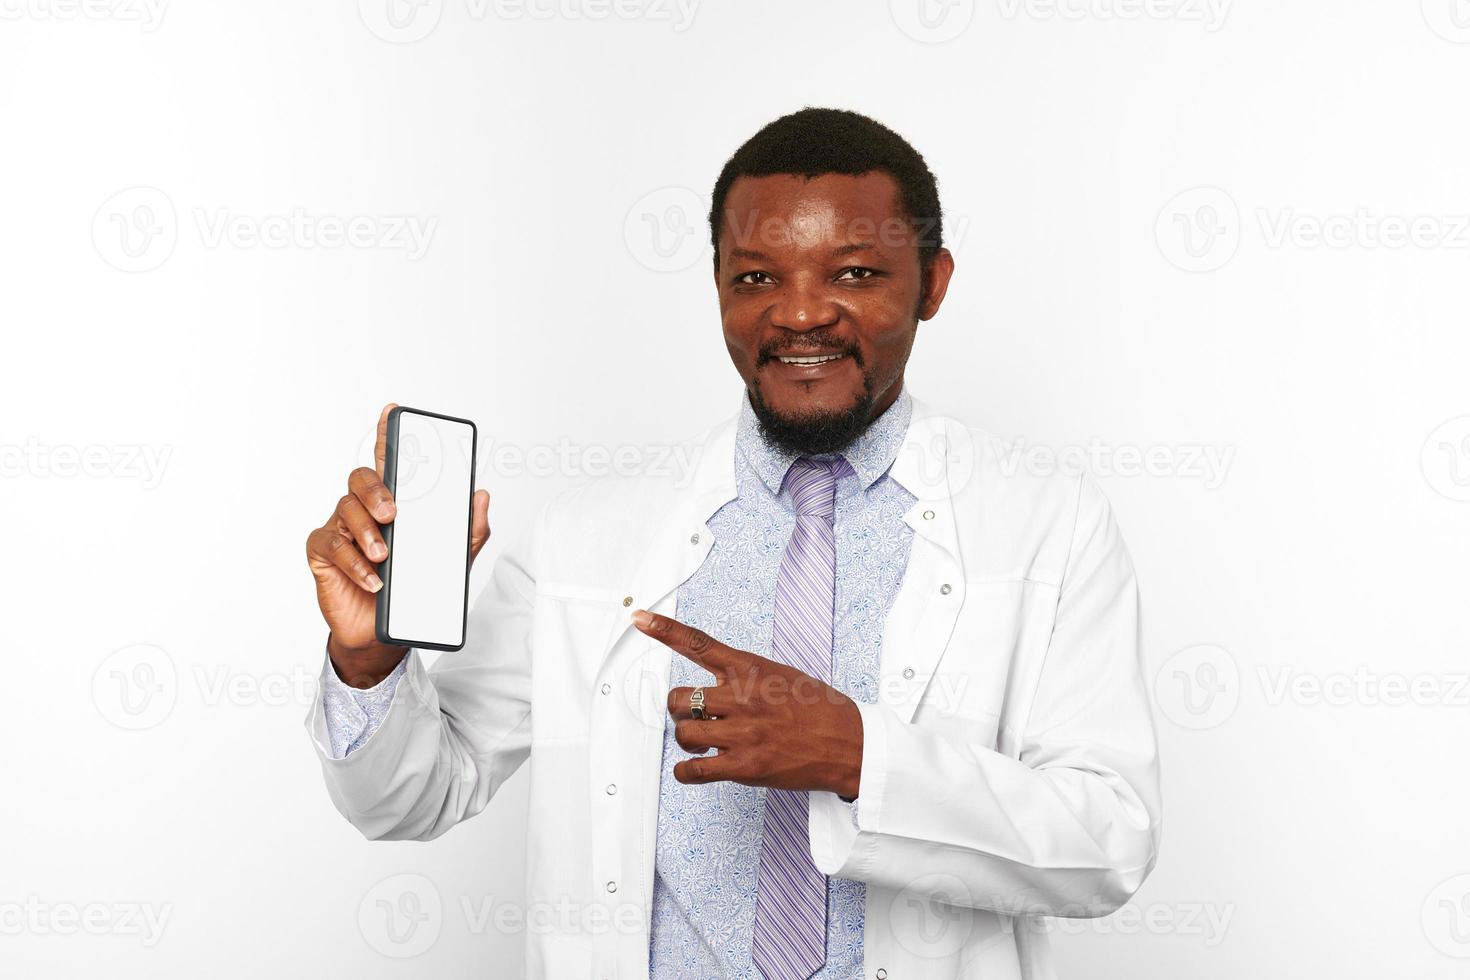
{"x": 380, "y": 450}
{"x": 685, "y": 640}
{"x": 368, "y": 488}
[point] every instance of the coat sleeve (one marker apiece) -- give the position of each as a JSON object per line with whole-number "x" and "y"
{"x": 1071, "y": 827}
{"x": 454, "y": 733}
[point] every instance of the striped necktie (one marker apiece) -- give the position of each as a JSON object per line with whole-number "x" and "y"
{"x": 790, "y": 941}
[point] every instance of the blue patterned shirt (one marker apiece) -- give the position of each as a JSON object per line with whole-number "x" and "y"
{"x": 709, "y": 836}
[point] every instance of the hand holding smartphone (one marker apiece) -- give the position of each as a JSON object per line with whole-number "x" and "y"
{"x": 429, "y": 468}
{"x": 349, "y": 555}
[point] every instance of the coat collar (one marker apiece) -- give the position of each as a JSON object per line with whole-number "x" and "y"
{"x": 912, "y": 444}
{"x": 934, "y": 451}
{"x": 934, "y": 462}
{"x": 869, "y": 455}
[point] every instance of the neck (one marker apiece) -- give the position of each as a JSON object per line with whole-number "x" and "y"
{"x": 885, "y": 400}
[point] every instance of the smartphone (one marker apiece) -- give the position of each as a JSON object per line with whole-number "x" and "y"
{"x": 429, "y": 467}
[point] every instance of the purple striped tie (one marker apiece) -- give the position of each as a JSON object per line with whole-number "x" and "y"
{"x": 791, "y": 894}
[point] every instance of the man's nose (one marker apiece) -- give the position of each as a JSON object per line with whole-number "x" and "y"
{"x": 804, "y": 303}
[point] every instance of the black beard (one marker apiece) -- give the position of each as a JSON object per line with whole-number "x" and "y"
{"x": 814, "y": 435}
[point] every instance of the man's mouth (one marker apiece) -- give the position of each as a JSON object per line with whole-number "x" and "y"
{"x": 808, "y": 358}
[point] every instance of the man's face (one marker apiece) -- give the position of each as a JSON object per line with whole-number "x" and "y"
{"x": 820, "y": 296}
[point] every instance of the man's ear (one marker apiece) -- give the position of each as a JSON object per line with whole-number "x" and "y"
{"x": 936, "y": 283}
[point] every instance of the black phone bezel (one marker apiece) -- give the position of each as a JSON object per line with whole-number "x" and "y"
{"x": 385, "y": 567}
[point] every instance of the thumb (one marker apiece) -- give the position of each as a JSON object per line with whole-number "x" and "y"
{"x": 479, "y": 521}
{"x": 380, "y": 447}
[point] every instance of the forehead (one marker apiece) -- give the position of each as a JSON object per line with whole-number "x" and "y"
{"x": 829, "y": 207}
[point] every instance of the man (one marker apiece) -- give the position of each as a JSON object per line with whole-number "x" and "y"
{"x": 854, "y": 702}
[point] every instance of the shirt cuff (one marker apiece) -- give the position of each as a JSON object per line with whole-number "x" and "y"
{"x": 354, "y": 714}
{"x": 843, "y": 835}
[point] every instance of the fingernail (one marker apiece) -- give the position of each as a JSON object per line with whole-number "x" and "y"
{"x": 374, "y": 583}
{"x": 642, "y": 617}
{"x": 384, "y": 513}
{"x": 377, "y": 552}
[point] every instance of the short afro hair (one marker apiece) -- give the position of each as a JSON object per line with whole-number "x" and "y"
{"x": 815, "y": 141}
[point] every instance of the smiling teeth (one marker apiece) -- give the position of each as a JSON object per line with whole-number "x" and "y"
{"x": 810, "y": 360}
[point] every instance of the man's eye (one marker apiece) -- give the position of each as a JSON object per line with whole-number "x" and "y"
{"x": 748, "y": 278}
{"x": 858, "y": 272}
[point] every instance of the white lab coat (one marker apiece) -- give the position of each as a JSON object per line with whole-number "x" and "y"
{"x": 1010, "y": 770}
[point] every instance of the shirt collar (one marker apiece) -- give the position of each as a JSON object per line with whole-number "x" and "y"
{"x": 869, "y": 455}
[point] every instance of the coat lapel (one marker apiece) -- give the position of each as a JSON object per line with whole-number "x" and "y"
{"x": 935, "y": 460}
{"x": 671, "y": 554}
{"x": 640, "y": 667}
{"x": 915, "y": 634}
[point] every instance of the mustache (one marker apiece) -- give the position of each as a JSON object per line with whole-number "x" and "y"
{"x": 808, "y": 345}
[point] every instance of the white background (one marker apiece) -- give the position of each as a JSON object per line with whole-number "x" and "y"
{"x": 161, "y": 636}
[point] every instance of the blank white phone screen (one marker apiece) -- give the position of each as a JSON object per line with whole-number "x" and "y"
{"x": 434, "y": 481}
